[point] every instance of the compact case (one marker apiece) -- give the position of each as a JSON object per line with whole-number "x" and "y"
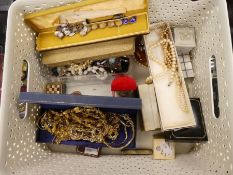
{"x": 95, "y": 12}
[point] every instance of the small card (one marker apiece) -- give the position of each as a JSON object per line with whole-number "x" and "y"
{"x": 163, "y": 150}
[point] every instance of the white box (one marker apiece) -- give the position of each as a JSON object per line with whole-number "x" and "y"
{"x": 170, "y": 95}
{"x": 150, "y": 113}
{"x": 184, "y": 38}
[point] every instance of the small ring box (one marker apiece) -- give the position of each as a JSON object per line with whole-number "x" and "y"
{"x": 184, "y": 38}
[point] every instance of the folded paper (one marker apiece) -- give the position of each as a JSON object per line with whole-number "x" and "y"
{"x": 163, "y": 150}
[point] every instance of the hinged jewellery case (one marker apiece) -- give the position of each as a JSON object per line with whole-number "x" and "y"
{"x": 45, "y": 22}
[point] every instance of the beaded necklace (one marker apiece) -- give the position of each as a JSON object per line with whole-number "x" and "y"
{"x": 169, "y": 65}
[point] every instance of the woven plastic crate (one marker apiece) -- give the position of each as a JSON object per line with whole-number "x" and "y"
{"x": 19, "y": 154}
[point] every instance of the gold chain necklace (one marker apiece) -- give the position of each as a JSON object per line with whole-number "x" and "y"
{"x": 86, "y": 123}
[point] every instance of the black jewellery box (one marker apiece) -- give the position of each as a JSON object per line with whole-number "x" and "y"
{"x": 58, "y": 102}
{"x": 194, "y": 134}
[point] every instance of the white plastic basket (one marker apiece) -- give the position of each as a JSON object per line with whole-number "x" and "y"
{"x": 19, "y": 154}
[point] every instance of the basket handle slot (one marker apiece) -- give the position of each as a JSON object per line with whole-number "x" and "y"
{"x": 23, "y": 107}
{"x": 214, "y": 86}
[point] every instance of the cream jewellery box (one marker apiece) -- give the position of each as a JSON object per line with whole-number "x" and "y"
{"x": 172, "y": 96}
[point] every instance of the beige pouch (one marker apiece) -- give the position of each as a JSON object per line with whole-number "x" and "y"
{"x": 114, "y": 48}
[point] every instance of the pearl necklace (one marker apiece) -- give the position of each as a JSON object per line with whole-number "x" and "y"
{"x": 169, "y": 66}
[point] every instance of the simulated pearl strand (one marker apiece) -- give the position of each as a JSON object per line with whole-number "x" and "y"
{"x": 164, "y": 34}
{"x": 170, "y": 58}
{"x": 181, "y": 95}
{"x": 169, "y": 64}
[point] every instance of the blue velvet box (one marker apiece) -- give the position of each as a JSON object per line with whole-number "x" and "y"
{"x": 61, "y": 102}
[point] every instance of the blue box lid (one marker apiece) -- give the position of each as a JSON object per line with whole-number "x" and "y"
{"x": 59, "y": 100}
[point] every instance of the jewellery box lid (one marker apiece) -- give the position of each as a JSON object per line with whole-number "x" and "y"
{"x": 95, "y": 12}
{"x": 63, "y": 101}
{"x": 91, "y": 10}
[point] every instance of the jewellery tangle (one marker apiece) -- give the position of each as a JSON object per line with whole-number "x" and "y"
{"x": 89, "y": 124}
